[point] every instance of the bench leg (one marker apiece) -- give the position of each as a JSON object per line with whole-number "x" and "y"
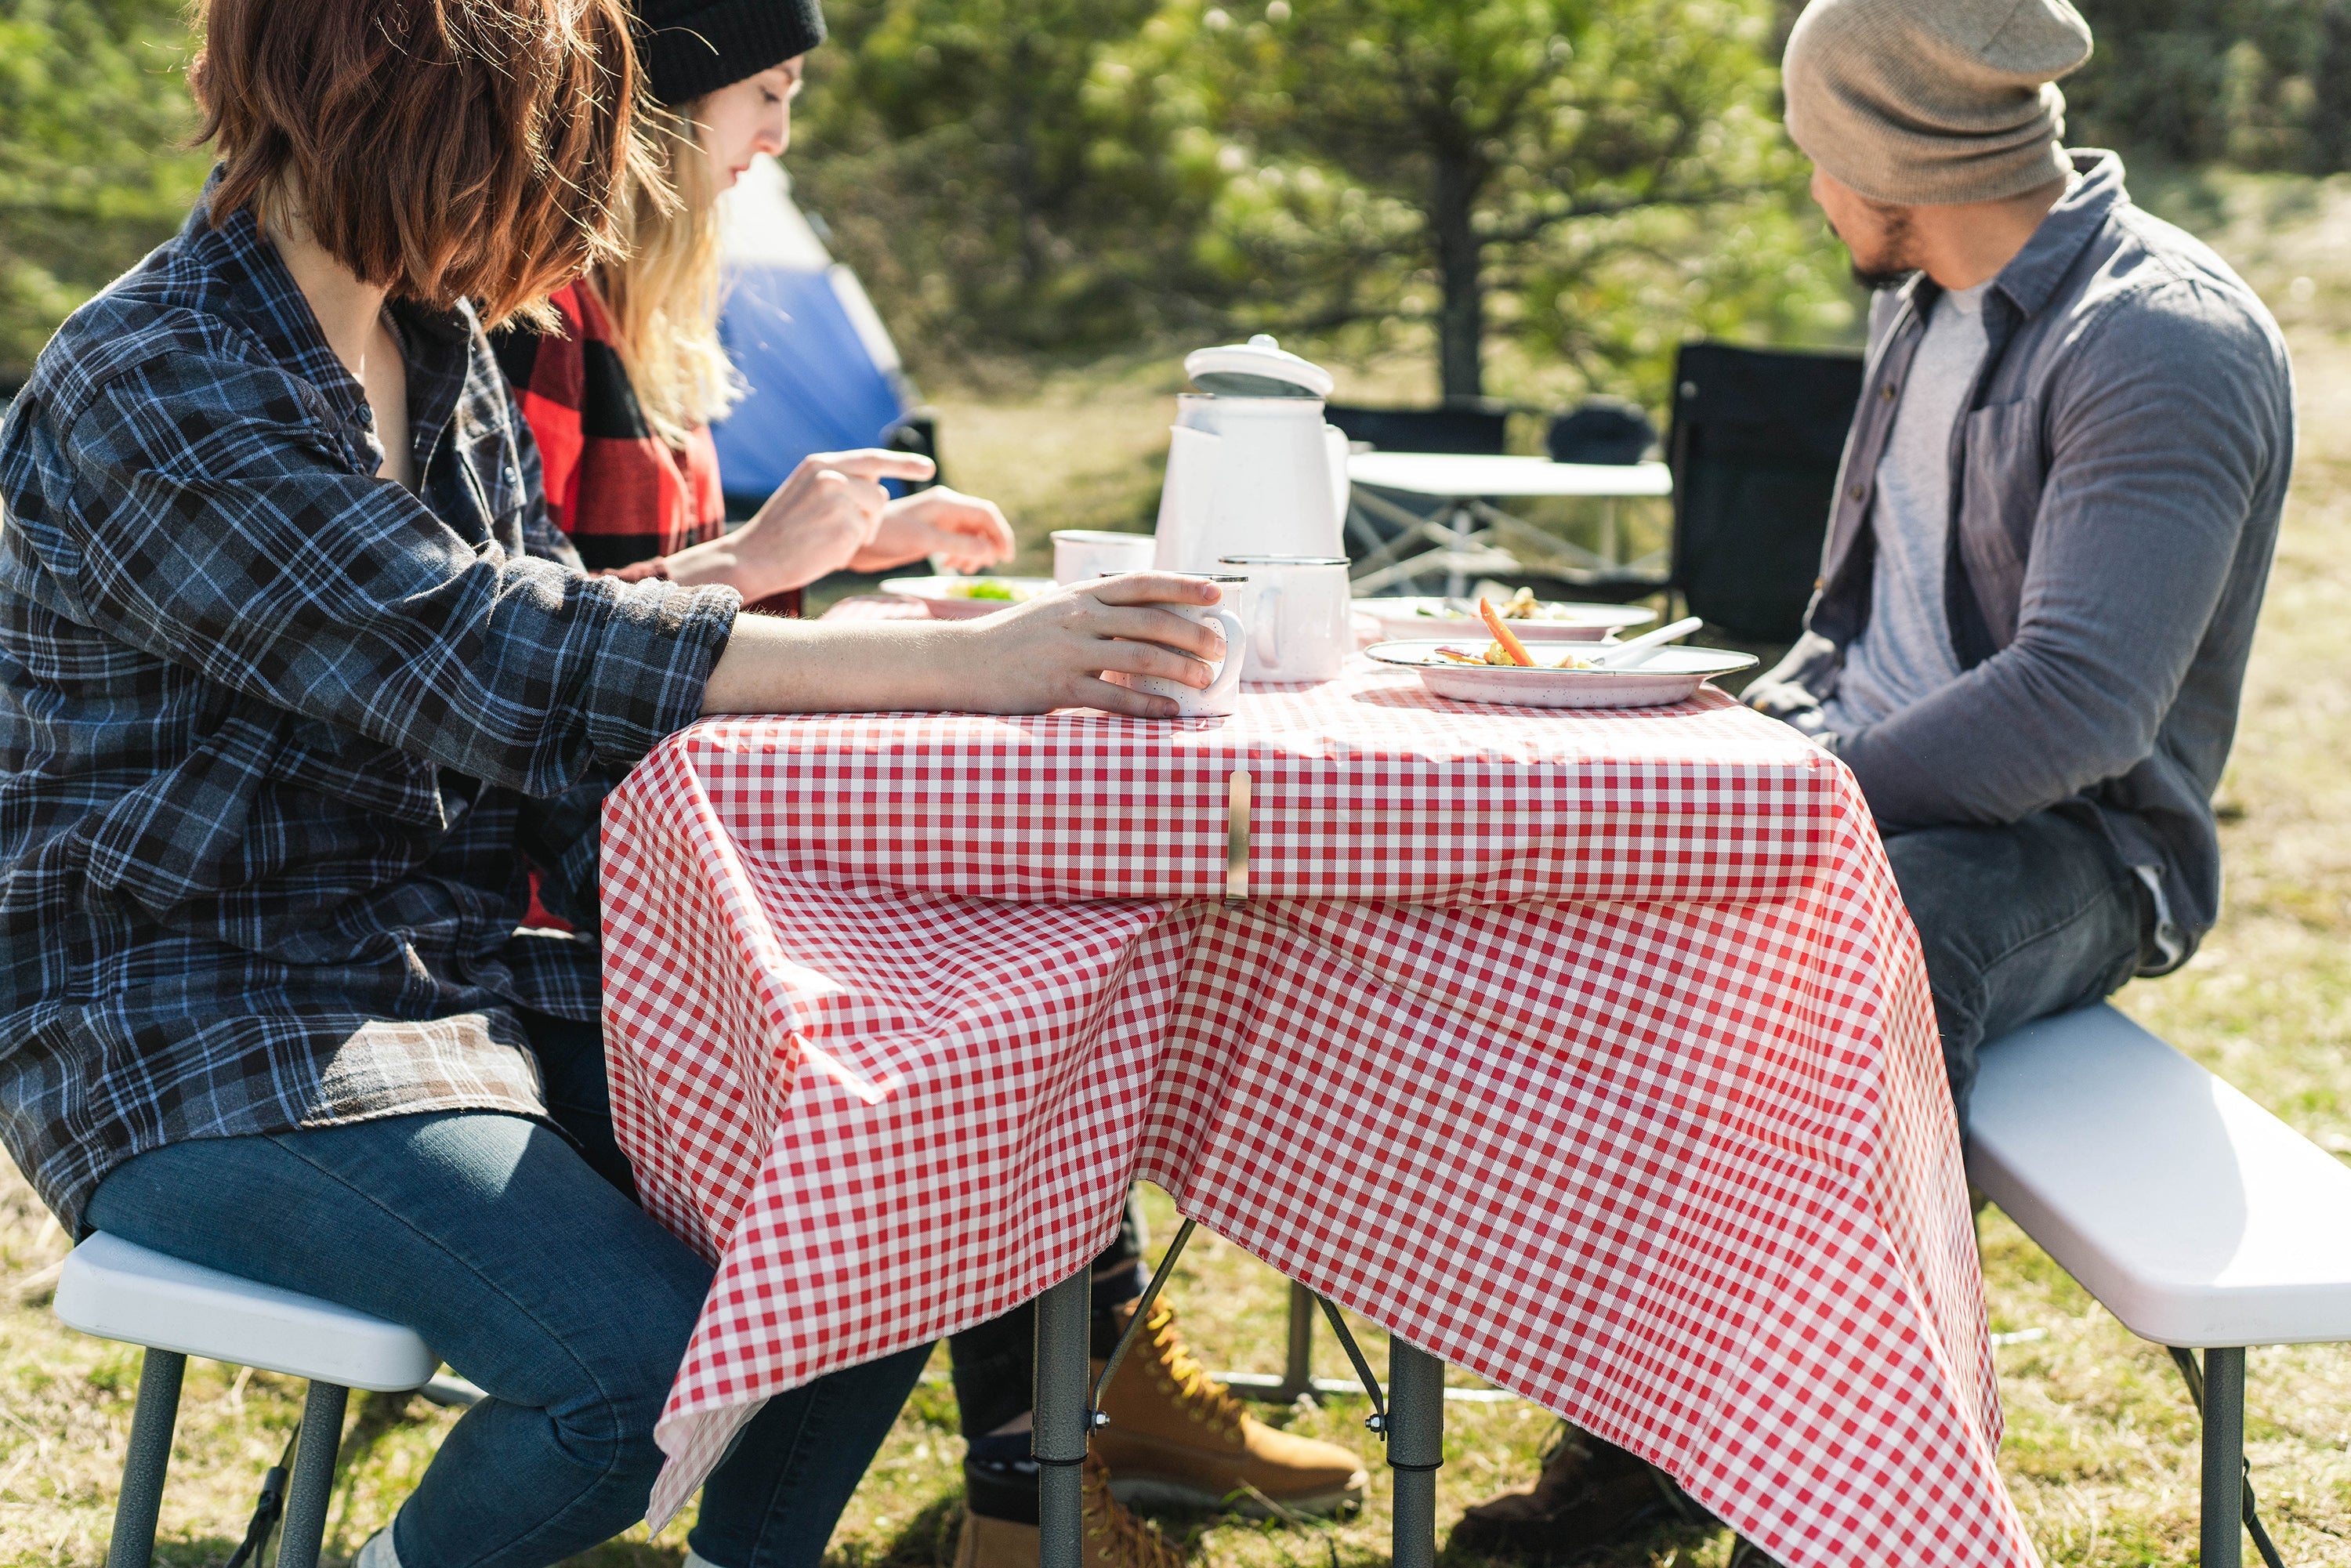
{"x": 2224, "y": 1459}
{"x": 132, "y": 1544}
{"x": 1064, "y": 1321}
{"x": 1416, "y": 1448}
{"x": 1297, "y": 1363}
{"x": 314, "y": 1476}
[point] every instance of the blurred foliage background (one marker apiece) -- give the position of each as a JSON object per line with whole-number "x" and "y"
{"x": 2250, "y": 84}
{"x": 1541, "y": 197}
{"x": 94, "y": 116}
{"x": 1548, "y": 194}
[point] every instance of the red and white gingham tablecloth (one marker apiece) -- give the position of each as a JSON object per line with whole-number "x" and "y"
{"x": 1590, "y": 1052}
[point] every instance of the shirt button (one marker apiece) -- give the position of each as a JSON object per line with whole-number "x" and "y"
{"x": 1856, "y": 492}
{"x": 1889, "y": 392}
{"x": 1819, "y": 583}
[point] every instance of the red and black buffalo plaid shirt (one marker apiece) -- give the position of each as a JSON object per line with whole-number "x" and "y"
{"x": 624, "y": 496}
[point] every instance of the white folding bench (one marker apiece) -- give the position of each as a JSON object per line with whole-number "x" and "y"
{"x": 117, "y": 1290}
{"x": 2198, "y": 1218}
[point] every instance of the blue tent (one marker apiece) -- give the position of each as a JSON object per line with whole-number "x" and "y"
{"x": 823, "y": 373}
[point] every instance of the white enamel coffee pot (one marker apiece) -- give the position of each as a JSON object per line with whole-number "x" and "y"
{"x": 1251, "y": 466}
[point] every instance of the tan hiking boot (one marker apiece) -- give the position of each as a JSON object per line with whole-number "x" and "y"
{"x": 1114, "y": 1538}
{"x": 1591, "y": 1498}
{"x": 1178, "y": 1437}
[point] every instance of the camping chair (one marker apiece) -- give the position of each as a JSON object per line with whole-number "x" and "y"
{"x": 1601, "y": 430}
{"x": 918, "y": 434}
{"x": 1756, "y": 438}
{"x": 1459, "y": 428}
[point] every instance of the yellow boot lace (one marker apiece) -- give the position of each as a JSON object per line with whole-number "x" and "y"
{"x": 1204, "y": 1399}
{"x": 1124, "y": 1539}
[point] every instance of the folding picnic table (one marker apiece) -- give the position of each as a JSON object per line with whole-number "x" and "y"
{"x": 1590, "y": 1051}
{"x": 1471, "y": 535}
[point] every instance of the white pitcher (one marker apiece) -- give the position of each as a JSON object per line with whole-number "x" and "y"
{"x": 1251, "y": 466}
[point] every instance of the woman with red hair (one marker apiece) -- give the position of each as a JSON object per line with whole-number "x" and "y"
{"x": 297, "y": 679}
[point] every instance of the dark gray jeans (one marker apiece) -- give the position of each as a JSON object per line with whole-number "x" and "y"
{"x": 2018, "y": 922}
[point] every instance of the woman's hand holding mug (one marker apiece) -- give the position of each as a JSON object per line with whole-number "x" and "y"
{"x": 1052, "y": 652}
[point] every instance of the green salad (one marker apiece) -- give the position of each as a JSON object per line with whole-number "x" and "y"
{"x": 989, "y": 588}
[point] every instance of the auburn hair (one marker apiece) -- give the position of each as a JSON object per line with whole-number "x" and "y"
{"x": 439, "y": 148}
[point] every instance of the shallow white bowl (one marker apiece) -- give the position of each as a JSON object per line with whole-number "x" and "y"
{"x": 1667, "y": 676}
{"x": 944, "y": 605}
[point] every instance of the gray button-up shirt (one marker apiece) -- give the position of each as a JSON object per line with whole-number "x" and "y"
{"x": 2118, "y": 474}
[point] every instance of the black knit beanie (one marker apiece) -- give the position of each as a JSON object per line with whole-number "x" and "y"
{"x": 689, "y": 47}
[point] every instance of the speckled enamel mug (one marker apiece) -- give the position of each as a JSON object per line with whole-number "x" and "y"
{"x": 1230, "y": 614}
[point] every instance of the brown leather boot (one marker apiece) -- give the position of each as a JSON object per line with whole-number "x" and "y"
{"x": 1178, "y": 1437}
{"x": 1114, "y": 1538}
{"x": 1591, "y": 1496}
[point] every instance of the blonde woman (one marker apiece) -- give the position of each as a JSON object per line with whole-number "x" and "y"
{"x": 621, "y": 398}
{"x": 621, "y": 404}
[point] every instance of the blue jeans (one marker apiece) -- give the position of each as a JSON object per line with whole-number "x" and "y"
{"x": 2017, "y": 922}
{"x": 525, "y": 1261}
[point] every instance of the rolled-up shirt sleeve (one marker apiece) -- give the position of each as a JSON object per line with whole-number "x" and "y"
{"x": 212, "y": 523}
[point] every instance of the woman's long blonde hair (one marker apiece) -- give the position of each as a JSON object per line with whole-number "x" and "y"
{"x": 664, "y": 294}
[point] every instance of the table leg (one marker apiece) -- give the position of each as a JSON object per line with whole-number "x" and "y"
{"x": 1064, "y": 1314}
{"x": 1297, "y": 1364}
{"x": 1416, "y": 1448}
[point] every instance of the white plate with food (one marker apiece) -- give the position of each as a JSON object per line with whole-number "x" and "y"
{"x": 1536, "y": 620}
{"x": 1458, "y": 670}
{"x": 963, "y": 598}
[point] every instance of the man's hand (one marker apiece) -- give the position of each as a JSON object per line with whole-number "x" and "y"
{"x": 1047, "y": 654}
{"x": 815, "y": 523}
{"x": 964, "y": 532}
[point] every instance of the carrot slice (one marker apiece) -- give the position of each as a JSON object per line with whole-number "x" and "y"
{"x": 1504, "y": 635}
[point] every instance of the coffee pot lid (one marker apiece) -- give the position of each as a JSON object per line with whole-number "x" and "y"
{"x": 1259, "y": 368}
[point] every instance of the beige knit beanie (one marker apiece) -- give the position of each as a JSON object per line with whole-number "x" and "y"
{"x": 1929, "y": 102}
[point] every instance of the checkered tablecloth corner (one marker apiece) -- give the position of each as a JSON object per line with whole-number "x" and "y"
{"x": 1590, "y": 1051}
{"x": 697, "y": 1104}
{"x": 1537, "y": 1247}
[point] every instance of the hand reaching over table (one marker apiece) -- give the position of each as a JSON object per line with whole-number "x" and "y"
{"x": 1047, "y": 654}
{"x": 963, "y": 533}
{"x": 816, "y": 522}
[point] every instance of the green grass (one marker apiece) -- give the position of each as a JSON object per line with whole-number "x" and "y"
{"x": 2101, "y": 1449}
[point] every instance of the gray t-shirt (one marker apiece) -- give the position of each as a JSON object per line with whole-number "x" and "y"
{"x": 1904, "y": 652}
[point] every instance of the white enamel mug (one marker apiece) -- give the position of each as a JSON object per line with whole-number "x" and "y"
{"x": 1228, "y": 615}
{"x": 1301, "y": 616}
{"x": 1080, "y": 555}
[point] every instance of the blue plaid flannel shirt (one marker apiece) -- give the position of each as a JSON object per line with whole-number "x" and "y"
{"x": 277, "y": 737}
